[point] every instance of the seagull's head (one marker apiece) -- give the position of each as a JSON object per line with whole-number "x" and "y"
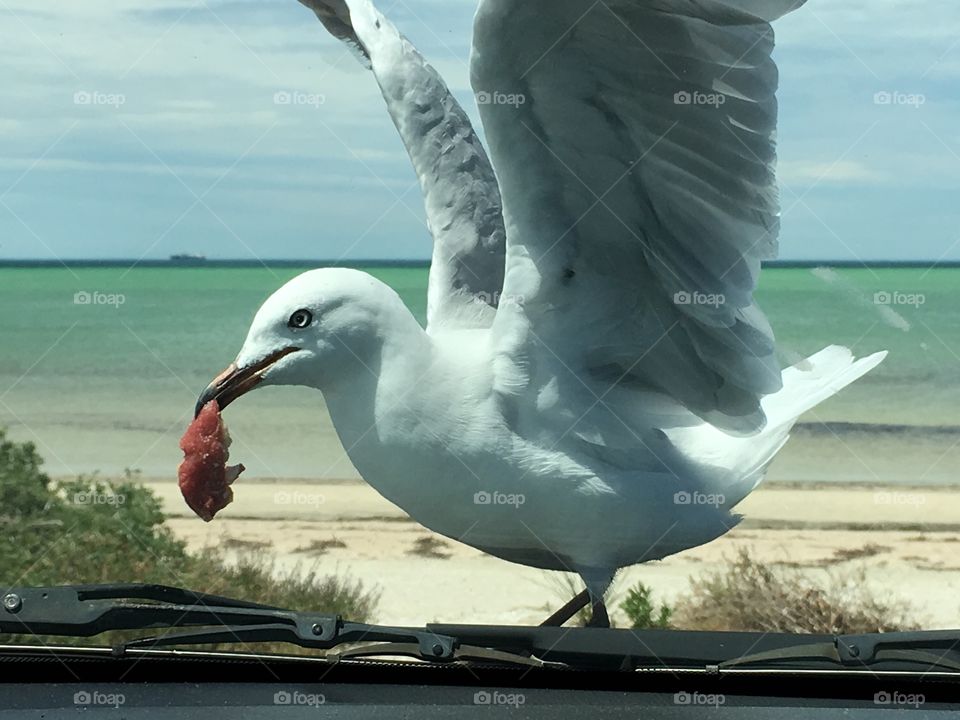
{"x": 320, "y": 330}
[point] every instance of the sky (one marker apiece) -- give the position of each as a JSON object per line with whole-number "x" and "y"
{"x": 139, "y": 130}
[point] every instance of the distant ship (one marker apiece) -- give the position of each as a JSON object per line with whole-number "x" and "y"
{"x": 188, "y": 259}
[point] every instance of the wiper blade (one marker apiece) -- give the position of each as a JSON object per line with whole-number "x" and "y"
{"x": 88, "y": 610}
{"x": 717, "y": 652}
{"x": 935, "y": 649}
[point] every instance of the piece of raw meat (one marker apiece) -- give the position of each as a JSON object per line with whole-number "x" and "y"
{"x": 204, "y": 476}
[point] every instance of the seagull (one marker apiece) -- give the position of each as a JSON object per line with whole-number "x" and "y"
{"x": 596, "y": 386}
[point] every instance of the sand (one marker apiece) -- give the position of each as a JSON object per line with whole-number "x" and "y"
{"x": 906, "y": 539}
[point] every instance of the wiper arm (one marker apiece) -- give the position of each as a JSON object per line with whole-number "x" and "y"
{"x": 924, "y": 647}
{"x": 88, "y": 610}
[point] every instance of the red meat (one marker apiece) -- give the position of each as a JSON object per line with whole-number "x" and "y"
{"x": 204, "y": 476}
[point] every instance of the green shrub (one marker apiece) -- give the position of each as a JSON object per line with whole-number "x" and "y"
{"x": 637, "y": 605}
{"x": 640, "y": 610}
{"x": 24, "y": 489}
{"x": 93, "y": 531}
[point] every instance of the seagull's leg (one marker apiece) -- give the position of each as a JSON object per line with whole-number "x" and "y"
{"x": 568, "y": 611}
{"x": 598, "y": 582}
{"x": 600, "y": 618}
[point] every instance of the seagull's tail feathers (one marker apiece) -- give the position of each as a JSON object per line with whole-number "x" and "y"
{"x": 811, "y": 381}
{"x": 805, "y": 385}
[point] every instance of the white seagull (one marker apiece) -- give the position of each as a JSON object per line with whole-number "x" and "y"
{"x": 596, "y": 386}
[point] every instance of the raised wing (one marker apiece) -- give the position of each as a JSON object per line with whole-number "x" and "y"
{"x": 634, "y": 145}
{"x": 460, "y": 190}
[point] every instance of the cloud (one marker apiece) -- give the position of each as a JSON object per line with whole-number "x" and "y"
{"x": 199, "y": 78}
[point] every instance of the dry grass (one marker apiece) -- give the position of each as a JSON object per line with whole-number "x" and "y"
{"x": 429, "y": 547}
{"x": 319, "y": 547}
{"x": 234, "y": 543}
{"x": 865, "y": 551}
{"x": 748, "y": 595}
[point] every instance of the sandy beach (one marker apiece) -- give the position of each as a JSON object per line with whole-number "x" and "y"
{"x": 910, "y": 534}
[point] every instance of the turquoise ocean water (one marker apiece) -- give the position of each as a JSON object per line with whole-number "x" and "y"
{"x": 110, "y": 386}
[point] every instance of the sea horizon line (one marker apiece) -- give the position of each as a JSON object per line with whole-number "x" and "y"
{"x": 195, "y": 263}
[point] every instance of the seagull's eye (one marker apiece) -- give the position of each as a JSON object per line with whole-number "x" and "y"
{"x": 300, "y": 319}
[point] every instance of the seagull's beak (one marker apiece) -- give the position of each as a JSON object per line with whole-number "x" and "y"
{"x": 236, "y": 381}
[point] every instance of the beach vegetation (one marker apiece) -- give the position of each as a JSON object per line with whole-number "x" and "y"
{"x": 641, "y": 611}
{"x": 749, "y": 595}
{"x": 91, "y": 530}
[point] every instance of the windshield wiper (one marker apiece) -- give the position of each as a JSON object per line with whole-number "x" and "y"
{"x": 88, "y": 610}
{"x": 719, "y": 652}
{"x": 929, "y": 648}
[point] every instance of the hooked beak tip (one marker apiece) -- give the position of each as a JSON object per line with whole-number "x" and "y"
{"x": 215, "y": 389}
{"x": 235, "y": 381}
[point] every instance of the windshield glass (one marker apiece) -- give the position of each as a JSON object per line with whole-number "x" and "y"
{"x": 582, "y": 392}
